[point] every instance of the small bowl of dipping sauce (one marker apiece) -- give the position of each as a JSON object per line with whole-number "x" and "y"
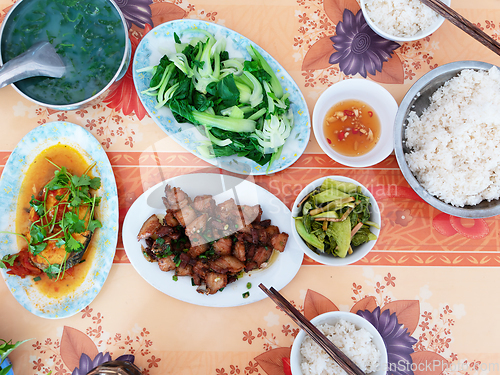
{"x": 353, "y": 122}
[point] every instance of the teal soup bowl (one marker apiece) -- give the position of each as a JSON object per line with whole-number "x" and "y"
{"x": 90, "y": 36}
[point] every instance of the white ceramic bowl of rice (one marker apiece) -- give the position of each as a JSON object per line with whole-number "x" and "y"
{"x": 352, "y": 334}
{"x": 447, "y": 138}
{"x": 401, "y": 20}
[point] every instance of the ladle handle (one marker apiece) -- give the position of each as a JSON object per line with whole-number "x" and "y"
{"x": 40, "y": 59}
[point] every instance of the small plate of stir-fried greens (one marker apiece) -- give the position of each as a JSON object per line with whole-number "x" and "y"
{"x": 336, "y": 220}
{"x": 221, "y": 97}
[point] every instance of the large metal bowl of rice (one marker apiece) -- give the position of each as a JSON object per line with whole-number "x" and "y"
{"x": 447, "y": 138}
{"x": 355, "y": 336}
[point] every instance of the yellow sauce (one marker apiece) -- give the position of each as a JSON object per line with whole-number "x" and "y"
{"x": 38, "y": 175}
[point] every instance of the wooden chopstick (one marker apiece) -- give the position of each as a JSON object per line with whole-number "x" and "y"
{"x": 464, "y": 24}
{"x": 329, "y": 347}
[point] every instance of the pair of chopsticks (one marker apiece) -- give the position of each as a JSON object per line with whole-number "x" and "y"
{"x": 329, "y": 347}
{"x": 464, "y": 24}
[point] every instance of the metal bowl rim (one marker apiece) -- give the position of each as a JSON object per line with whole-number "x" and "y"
{"x": 71, "y": 106}
{"x": 400, "y": 123}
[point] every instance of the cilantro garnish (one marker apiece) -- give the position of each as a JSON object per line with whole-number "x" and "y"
{"x": 7, "y": 259}
{"x": 72, "y": 213}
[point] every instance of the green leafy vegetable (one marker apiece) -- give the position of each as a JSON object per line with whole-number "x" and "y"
{"x": 7, "y": 259}
{"x": 335, "y": 218}
{"x": 239, "y": 104}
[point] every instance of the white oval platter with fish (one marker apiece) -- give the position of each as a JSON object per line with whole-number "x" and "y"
{"x": 28, "y": 290}
{"x": 282, "y": 266}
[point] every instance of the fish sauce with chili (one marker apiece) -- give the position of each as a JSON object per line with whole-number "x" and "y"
{"x": 351, "y": 128}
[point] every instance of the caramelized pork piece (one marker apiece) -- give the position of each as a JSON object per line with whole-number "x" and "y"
{"x": 164, "y": 231}
{"x": 198, "y": 246}
{"x": 173, "y": 233}
{"x": 167, "y": 264}
{"x": 214, "y": 234}
{"x": 224, "y": 246}
{"x": 271, "y": 230}
{"x": 197, "y": 225}
{"x": 250, "y": 213}
{"x": 215, "y": 224}
{"x": 239, "y": 251}
{"x": 227, "y": 263}
{"x": 278, "y": 241}
{"x": 251, "y": 266}
{"x": 185, "y": 215}
{"x": 204, "y": 203}
{"x": 264, "y": 223}
{"x": 170, "y": 220}
{"x": 200, "y": 270}
{"x": 246, "y": 229}
{"x": 159, "y": 247}
{"x": 215, "y": 281}
{"x": 175, "y": 198}
{"x": 224, "y": 210}
{"x": 262, "y": 254}
{"x": 210, "y": 243}
{"x": 251, "y": 251}
{"x": 150, "y": 226}
{"x": 184, "y": 270}
{"x": 262, "y": 236}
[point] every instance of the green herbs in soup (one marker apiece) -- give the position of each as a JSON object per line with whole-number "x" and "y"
{"x": 88, "y": 35}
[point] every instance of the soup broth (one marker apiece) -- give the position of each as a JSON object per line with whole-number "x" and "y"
{"x": 88, "y": 35}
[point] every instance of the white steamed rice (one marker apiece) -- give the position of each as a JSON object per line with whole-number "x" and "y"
{"x": 357, "y": 344}
{"x": 455, "y": 143}
{"x": 401, "y": 18}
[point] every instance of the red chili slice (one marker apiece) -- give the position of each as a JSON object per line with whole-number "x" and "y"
{"x": 22, "y": 266}
{"x": 348, "y": 113}
{"x": 340, "y": 135}
{"x": 26, "y": 263}
{"x": 370, "y": 113}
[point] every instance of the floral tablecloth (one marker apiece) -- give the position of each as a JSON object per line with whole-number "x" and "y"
{"x": 429, "y": 285}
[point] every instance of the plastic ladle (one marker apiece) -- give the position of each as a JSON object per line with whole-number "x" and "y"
{"x": 41, "y": 59}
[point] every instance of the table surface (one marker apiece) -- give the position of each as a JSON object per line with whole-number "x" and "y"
{"x": 435, "y": 274}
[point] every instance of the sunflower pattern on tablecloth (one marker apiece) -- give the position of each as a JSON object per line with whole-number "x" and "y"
{"x": 417, "y": 339}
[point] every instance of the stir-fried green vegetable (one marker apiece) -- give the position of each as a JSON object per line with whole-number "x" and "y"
{"x": 238, "y": 104}
{"x": 335, "y": 217}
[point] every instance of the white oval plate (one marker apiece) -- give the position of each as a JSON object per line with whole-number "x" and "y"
{"x": 104, "y": 239}
{"x": 222, "y": 188}
{"x": 161, "y": 39}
